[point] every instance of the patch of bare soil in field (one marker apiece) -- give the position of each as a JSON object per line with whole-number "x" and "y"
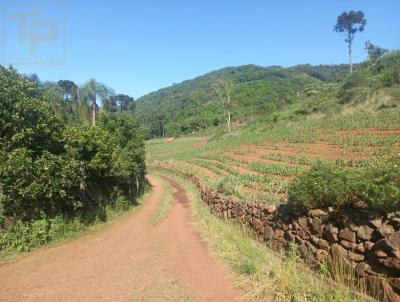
{"x": 201, "y": 142}
{"x": 370, "y": 131}
{"x": 205, "y": 171}
{"x": 129, "y": 260}
{"x": 229, "y": 165}
{"x": 243, "y": 170}
{"x": 258, "y": 157}
{"x": 321, "y": 150}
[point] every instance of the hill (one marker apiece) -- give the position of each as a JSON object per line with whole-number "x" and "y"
{"x": 192, "y": 106}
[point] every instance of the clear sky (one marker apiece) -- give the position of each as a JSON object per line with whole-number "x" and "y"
{"x": 136, "y": 47}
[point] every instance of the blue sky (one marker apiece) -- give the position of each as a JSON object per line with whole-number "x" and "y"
{"x": 136, "y": 47}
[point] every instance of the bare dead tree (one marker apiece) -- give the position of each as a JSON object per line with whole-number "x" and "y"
{"x": 223, "y": 90}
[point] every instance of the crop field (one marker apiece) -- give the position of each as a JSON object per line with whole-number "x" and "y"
{"x": 258, "y": 161}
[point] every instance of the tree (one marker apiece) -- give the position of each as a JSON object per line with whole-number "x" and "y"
{"x": 26, "y": 119}
{"x": 120, "y": 102}
{"x": 374, "y": 51}
{"x": 69, "y": 88}
{"x": 91, "y": 90}
{"x": 50, "y": 169}
{"x": 349, "y": 24}
{"x": 130, "y": 160}
{"x": 223, "y": 90}
{"x": 34, "y": 78}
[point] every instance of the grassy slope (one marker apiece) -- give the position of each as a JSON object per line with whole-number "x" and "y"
{"x": 258, "y": 161}
{"x": 272, "y": 93}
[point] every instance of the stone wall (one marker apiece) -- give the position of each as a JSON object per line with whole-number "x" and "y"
{"x": 366, "y": 244}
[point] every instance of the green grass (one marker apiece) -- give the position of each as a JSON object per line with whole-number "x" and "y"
{"x": 164, "y": 206}
{"x": 269, "y": 176}
{"x": 259, "y": 271}
{"x": 158, "y": 150}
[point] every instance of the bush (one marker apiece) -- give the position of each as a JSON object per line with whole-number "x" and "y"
{"x": 63, "y": 228}
{"x": 379, "y": 185}
{"x": 93, "y": 169}
{"x": 54, "y": 178}
{"x": 30, "y": 185}
{"x": 91, "y": 146}
{"x": 323, "y": 186}
{"x": 376, "y": 187}
{"x": 121, "y": 204}
{"x": 26, "y": 118}
{"x": 17, "y": 238}
{"x": 374, "y": 76}
{"x": 24, "y": 236}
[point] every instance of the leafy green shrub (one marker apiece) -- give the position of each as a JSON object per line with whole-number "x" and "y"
{"x": 63, "y": 228}
{"x": 373, "y": 76}
{"x": 23, "y": 236}
{"x": 390, "y": 77}
{"x": 379, "y": 185}
{"x": 93, "y": 169}
{"x": 376, "y": 187}
{"x": 323, "y": 186}
{"x": 129, "y": 158}
{"x": 121, "y": 204}
{"x": 356, "y": 95}
{"x": 2, "y": 216}
{"x": 39, "y": 232}
{"x": 17, "y": 238}
{"x": 56, "y": 179}
{"x": 48, "y": 183}
{"x": 26, "y": 118}
{"x": 93, "y": 147}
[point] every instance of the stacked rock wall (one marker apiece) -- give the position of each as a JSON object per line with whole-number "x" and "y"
{"x": 366, "y": 244}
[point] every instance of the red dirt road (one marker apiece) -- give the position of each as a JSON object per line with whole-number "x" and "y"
{"x": 128, "y": 260}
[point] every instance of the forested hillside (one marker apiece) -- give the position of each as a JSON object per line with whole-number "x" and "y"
{"x": 264, "y": 91}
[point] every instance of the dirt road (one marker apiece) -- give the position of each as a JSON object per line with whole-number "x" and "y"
{"x": 129, "y": 260}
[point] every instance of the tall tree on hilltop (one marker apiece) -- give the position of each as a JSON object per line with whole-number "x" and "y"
{"x": 91, "y": 90}
{"x": 223, "y": 90}
{"x": 350, "y": 23}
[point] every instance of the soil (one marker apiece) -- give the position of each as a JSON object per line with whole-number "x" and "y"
{"x": 205, "y": 171}
{"x": 128, "y": 260}
{"x": 257, "y": 157}
{"x": 238, "y": 168}
{"x": 321, "y": 150}
{"x": 371, "y": 131}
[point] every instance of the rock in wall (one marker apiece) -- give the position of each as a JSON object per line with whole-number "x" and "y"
{"x": 364, "y": 243}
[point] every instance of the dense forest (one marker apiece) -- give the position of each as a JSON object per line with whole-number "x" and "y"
{"x": 268, "y": 91}
{"x": 55, "y": 167}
